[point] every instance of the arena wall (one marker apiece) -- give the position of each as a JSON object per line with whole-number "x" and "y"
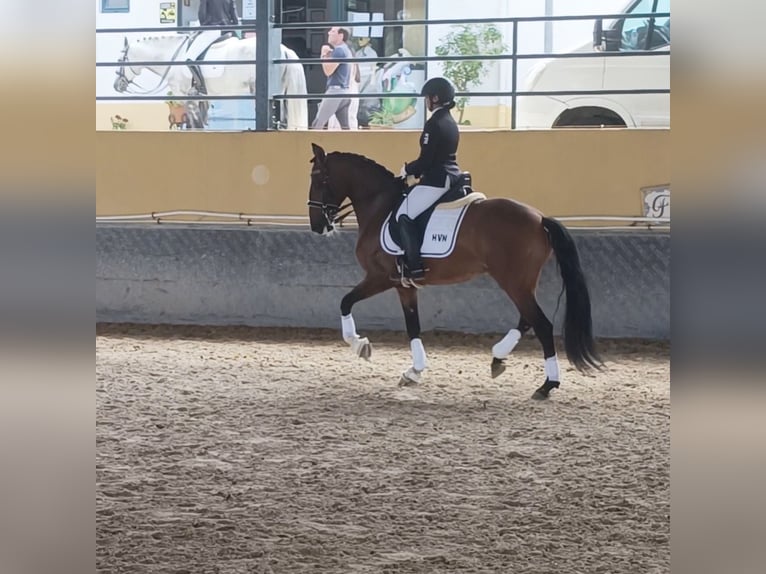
{"x": 562, "y": 172}
{"x": 219, "y": 275}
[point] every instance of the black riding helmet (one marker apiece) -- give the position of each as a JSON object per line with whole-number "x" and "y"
{"x": 441, "y": 88}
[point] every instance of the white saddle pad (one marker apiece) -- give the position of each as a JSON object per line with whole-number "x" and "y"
{"x": 217, "y": 52}
{"x": 440, "y": 236}
{"x": 209, "y": 72}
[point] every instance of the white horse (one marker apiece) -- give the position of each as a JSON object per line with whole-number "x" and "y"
{"x": 220, "y": 80}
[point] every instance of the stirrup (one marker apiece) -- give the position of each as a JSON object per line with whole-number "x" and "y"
{"x": 404, "y": 279}
{"x": 416, "y": 274}
{"x": 410, "y": 279}
{"x": 407, "y": 283}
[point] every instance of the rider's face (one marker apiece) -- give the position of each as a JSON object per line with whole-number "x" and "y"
{"x": 430, "y": 103}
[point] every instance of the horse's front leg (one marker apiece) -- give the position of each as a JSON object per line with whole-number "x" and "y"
{"x": 409, "y": 300}
{"x": 370, "y": 285}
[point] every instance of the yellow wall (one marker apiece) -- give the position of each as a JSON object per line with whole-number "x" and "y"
{"x": 141, "y": 116}
{"x": 568, "y": 172}
{"x": 486, "y": 117}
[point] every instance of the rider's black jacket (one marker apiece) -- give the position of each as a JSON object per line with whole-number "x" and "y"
{"x": 438, "y": 150}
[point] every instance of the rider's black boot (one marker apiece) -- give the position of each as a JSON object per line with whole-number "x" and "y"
{"x": 410, "y": 239}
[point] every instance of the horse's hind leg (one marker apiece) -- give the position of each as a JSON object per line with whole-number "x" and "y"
{"x": 409, "y": 300}
{"x": 544, "y": 331}
{"x": 531, "y": 316}
{"x": 370, "y": 285}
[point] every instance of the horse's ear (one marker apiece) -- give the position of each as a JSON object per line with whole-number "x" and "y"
{"x": 319, "y": 153}
{"x": 125, "y": 43}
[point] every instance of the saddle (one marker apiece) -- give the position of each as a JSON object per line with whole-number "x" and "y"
{"x": 198, "y": 81}
{"x": 460, "y": 189}
{"x": 218, "y": 40}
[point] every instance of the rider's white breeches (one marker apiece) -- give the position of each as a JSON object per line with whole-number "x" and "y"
{"x": 421, "y": 198}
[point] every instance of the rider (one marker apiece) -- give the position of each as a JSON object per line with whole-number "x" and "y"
{"x": 213, "y": 13}
{"x": 436, "y": 167}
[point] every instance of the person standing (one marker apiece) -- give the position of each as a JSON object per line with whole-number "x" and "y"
{"x": 367, "y": 72}
{"x": 218, "y": 13}
{"x": 212, "y": 13}
{"x": 338, "y": 80}
{"x": 353, "y": 107}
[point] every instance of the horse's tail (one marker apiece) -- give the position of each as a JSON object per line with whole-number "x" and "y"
{"x": 578, "y": 326}
{"x": 295, "y": 83}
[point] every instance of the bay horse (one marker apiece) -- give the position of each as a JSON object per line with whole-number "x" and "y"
{"x": 508, "y": 240}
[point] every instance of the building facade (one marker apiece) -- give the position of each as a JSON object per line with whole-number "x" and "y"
{"x": 369, "y": 40}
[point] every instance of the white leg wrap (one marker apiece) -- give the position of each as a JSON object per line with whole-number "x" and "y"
{"x": 552, "y": 368}
{"x": 419, "y": 361}
{"x": 349, "y": 329}
{"x": 504, "y": 347}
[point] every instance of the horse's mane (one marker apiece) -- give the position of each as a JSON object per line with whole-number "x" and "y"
{"x": 160, "y": 38}
{"x": 362, "y": 159}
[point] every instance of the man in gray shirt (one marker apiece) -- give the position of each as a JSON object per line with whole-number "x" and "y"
{"x": 338, "y": 80}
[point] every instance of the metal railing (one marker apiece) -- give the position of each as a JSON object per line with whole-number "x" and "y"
{"x": 266, "y": 97}
{"x": 201, "y": 217}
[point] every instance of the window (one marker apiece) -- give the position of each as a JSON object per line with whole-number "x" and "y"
{"x": 635, "y": 30}
{"x": 661, "y": 35}
{"x": 115, "y": 6}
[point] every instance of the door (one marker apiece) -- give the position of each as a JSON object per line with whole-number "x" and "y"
{"x": 643, "y": 72}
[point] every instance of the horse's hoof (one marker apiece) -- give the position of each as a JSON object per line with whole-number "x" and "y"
{"x": 410, "y": 378}
{"x": 498, "y": 367}
{"x": 362, "y": 348}
{"x": 545, "y": 390}
{"x": 407, "y": 382}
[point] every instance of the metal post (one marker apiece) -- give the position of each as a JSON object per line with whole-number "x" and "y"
{"x": 264, "y": 25}
{"x": 514, "y": 71}
{"x": 548, "y": 44}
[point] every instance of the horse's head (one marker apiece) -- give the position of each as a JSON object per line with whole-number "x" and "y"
{"x": 324, "y": 199}
{"x": 338, "y": 176}
{"x": 141, "y": 53}
{"x": 125, "y": 75}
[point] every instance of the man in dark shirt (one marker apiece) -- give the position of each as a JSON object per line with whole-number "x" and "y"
{"x": 212, "y": 13}
{"x": 436, "y": 167}
{"x": 218, "y": 13}
{"x": 338, "y": 80}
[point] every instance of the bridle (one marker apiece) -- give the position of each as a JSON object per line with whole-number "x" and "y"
{"x": 330, "y": 211}
{"x": 124, "y": 81}
{"x": 123, "y": 78}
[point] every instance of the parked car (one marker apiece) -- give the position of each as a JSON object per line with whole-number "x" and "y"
{"x": 628, "y": 34}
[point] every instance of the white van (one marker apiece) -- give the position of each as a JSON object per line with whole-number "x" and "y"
{"x": 606, "y": 73}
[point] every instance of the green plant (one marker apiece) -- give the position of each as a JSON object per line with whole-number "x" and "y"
{"x": 173, "y": 103}
{"x": 119, "y": 123}
{"x": 469, "y": 40}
